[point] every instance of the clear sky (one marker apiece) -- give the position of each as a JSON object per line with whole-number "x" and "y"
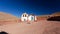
{"x": 37, "y": 7}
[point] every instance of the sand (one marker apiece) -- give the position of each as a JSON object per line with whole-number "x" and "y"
{"x": 40, "y": 27}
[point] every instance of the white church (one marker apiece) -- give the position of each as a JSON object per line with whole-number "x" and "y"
{"x": 27, "y": 17}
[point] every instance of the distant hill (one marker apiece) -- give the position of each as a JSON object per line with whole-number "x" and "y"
{"x": 43, "y": 17}
{"x": 56, "y": 14}
{"x": 7, "y": 18}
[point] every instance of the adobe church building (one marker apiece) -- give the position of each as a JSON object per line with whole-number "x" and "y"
{"x": 27, "y": 17}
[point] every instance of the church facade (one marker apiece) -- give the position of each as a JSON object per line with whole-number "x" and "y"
{"x": 27, "y": 17}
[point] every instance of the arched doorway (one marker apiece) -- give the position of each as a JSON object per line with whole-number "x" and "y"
{"x": 32, "y": 18}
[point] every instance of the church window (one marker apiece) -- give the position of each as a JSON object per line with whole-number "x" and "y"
{"x": 23, "y": 15}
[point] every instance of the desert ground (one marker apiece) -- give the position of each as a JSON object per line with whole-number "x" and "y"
{"x": 12, "y": 25}
{"x": 40, "y": 27}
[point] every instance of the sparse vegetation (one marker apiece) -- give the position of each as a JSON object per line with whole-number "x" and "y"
{"x": 55, "y": 18}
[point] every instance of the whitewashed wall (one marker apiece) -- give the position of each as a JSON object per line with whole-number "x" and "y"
{"x": 24, "y": 18}
{"x": 29, "y": 18}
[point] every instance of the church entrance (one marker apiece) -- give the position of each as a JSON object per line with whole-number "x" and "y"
{"x": 32, "y": 18}
{"x": 24, "y": 19}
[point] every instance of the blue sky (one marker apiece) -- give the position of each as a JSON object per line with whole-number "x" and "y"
{"x": 37, "y": 7}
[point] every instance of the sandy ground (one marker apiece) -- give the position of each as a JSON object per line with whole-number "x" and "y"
{"x": 40, "y": 27}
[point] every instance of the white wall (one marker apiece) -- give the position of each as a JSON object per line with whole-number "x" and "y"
{"x": 22, "y": 18}
{"x": 35, "y": 18}
{"x": 29, "y": 18}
